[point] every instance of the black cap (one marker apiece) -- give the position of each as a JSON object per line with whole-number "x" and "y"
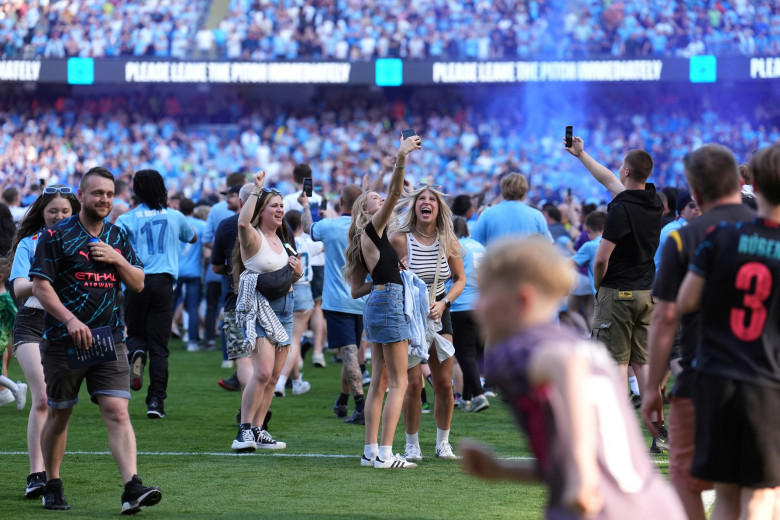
{"x": 232, "y": 189}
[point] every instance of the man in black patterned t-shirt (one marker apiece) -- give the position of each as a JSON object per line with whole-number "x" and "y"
{"x": 77, "y": 274}
{"x": 734, "y": 279}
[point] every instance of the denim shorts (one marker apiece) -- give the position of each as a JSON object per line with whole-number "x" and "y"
{"x": 303, "y": 297}
{"x": 383, "y": 315}
{"x": 28, "y": 327}
{"x": 283, "y": 308}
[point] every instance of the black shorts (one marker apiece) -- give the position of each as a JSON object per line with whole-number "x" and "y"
{"x": 736, "y": 432}
{"x": 63, "y": 383}
{"x": 318, "y": 278}
{"x": 28, "y": 326}
{"x": 344, "y": 329}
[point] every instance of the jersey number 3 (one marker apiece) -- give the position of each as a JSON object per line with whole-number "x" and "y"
{"x": 756, "y": 279}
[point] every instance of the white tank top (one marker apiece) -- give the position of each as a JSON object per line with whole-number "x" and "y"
{"x": 266, "y": 260}
{"x": 422, "y": 262}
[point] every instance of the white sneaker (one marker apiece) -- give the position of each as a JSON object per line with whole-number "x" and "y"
{"x": 300, "y": 386}
{"x": 193, "y": 347}
{"x": 412, "y": 452}
{"x": 228, "y": 363}
{"x": 21, "y": 395}
{"x": 279, "y": 390}
{"x": 397, "y": 461}
{"x": 366, "y": 462}
{"x": 318, "y": 360}
{"x": 6, "y": 396}
{"x": 444, "y": 451}
{"x": 478, "y": 404}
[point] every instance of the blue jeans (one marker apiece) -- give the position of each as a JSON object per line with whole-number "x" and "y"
{"x": 192, "y": 289}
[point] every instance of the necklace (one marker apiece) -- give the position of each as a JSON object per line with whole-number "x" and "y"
{"x": 426, "y": 236}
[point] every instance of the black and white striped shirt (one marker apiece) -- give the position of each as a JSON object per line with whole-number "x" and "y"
{"x": 421, "y": 260}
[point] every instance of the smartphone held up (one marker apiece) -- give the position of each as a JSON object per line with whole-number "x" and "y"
{"x": 406, "y": 134}
{"x": 307, "y": 186}
{"x": 569, "y": 136}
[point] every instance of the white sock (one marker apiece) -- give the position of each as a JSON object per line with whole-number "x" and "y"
{"x": 370, "y": 450}
{"x": 385, "y": 452}
{"x": 4, "y": 381}
{"x": 282, "y": 381}
{"x": 442, "y": 436}
{"x": 633, "y": 385}
{"x": 412, "y": 438}
{"x": 300, "y": 377}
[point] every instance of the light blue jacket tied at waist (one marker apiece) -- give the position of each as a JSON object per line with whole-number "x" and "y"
{"x": 251, "y": 308}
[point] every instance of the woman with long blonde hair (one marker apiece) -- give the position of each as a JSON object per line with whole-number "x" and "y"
{"x": 370, "y": 252}
{"x": 425, "y": 239}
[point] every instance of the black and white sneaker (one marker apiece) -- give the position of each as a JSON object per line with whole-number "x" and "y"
{"x": 155, "y": 410}
{"x": 54, "y": 496}
{"x": 137, "y": 496}
{"x": 264, "y": 441}
{"x": 137, "y": 363}
{"x": 245, "y": 439}
{"x": 394, "y": 462}
{"x": 36, "y": 482}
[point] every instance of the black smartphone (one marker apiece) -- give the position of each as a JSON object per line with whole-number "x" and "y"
{"x": 307, "y": 186}
{"x": 406, "y": 134}
{"x": 568, "y": 192}
{"x": 42, "y": 182}
{"x": 323, "y": 205}
{"x": 569, "y": 135}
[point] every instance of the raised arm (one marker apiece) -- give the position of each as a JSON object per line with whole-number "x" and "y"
{"x": 605, "y": 177}
{"x": 381, "y": 217}
{"x": 249, "y": 240}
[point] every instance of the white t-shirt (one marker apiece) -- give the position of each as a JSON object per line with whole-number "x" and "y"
{"x": 291, "y": 202}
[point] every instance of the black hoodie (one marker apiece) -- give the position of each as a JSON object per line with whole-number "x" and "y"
{"x": 634, "y": 226}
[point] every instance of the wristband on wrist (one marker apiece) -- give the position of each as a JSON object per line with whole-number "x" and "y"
{"x": 69, "y": 320}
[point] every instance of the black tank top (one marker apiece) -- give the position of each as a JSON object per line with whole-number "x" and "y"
{"x": 386, "y": 269}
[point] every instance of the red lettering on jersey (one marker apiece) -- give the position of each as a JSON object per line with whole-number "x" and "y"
{"x": 95, "y": 277}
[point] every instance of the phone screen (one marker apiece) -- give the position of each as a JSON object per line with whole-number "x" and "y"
{"x": 569, "y": 134}
{"x": 406, "y": 134}
{"x": 307, "y": 186}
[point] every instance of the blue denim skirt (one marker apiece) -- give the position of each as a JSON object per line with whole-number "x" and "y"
{"x": 383, "y": 315}
{"x": 283, "y": 308}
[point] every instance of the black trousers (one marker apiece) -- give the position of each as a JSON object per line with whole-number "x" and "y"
{"x": 148, "y": 315}
{"x": 468, "y": 352}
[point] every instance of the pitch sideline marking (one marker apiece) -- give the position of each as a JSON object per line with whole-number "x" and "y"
{"x": 229, "y": 454}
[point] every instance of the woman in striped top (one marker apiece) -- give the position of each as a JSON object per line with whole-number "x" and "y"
{"x": 425, "y": 239}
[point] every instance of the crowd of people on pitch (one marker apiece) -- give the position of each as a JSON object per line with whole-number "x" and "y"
{"x": 472, "y": 140}
{"x": 436, "y": 30}
{"x": 681, "y": 283}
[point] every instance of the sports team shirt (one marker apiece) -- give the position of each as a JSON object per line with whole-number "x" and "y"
{"x": 628, "y": 482}
{"x": 23, "y": 256}
{"x": 740, "y": 310}
{"x": 473, "y": 252}
{"x": 307, "y": 249}
{"x": 191, "y": 259}
{"x": 86, "y": 287}
{"x": 676, "y": 256}
{"x": 155, "y": 235}
{"x": 336, "y": 293}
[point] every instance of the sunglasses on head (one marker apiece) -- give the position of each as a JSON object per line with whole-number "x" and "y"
{"x": 271, "y": 190}
{"x": 421, "y": 185}
{"x": 65, "y": 190}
